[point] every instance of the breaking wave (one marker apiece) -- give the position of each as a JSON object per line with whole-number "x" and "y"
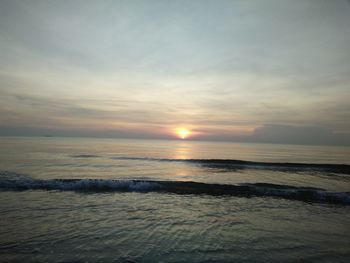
{"x": 17, "y": 182}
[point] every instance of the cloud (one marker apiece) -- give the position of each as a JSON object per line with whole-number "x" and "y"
{"x": 223, "y": 68}
{"x": 281, "y": 134}
{"x": 273, "y": 133}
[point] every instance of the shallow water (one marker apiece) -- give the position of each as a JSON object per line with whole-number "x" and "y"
{"x": 45, "y": 216}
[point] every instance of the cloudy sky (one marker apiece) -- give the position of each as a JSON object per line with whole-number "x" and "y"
{"x": 272, "y": 70}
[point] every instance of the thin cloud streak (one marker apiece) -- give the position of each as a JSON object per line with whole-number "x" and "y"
{"x": 222, "y": 68}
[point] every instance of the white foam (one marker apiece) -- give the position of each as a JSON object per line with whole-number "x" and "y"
{"x": 23, "y": 183}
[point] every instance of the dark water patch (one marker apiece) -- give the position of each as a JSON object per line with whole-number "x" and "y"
{"x": 231, "y": 164}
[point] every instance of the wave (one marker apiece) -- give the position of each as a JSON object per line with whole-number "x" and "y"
{"x": 232, "y": 164}
{"x": 9, "y": 181}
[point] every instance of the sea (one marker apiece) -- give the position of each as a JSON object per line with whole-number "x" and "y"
{"x": 121, "y": 200}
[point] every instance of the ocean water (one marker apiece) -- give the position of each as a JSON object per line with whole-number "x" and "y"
{"x": 114, "y": 200}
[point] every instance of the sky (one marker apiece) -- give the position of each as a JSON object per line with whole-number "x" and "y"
{"x": 256, "y": 71}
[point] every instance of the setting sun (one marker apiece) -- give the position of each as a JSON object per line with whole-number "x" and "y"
{"x": 183, "y": 133}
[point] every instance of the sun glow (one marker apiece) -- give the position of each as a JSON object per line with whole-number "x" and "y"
{"x": 183, "y": 133}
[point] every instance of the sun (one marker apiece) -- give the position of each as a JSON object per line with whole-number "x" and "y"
{"x": 183, "y": 133}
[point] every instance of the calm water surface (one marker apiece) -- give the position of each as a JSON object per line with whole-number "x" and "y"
{"x": 126, "y": 204}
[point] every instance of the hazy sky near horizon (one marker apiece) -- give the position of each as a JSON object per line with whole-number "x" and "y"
{"x": 220, "y": 68}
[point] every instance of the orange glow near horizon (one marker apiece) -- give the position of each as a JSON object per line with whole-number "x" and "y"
{"x": 183, "y": 133}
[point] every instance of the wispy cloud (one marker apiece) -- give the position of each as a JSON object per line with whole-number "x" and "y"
{"x": 219, "y": 67}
